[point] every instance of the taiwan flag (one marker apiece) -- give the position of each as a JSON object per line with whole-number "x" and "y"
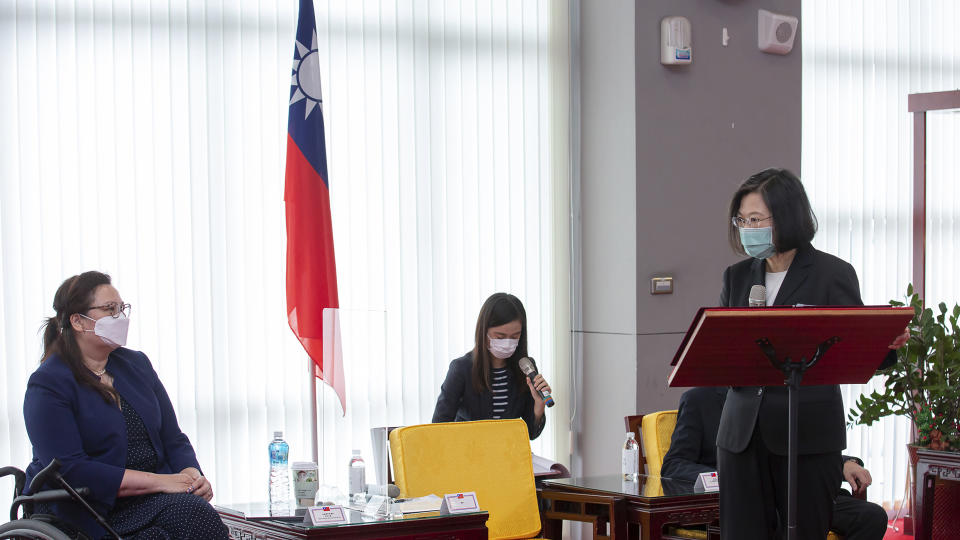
{"x": 312, "y": 302}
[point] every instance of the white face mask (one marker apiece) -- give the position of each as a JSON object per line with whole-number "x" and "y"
{"x": 112, "y": 330}
{"x": 503, "y": 348}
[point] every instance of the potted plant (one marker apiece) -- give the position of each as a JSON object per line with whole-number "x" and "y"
{"x": 924, "y": 384}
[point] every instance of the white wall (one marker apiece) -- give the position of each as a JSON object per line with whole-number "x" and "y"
{"x": 608, "y": 199}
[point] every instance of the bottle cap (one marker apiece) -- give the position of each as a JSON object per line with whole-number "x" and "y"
{"x": 356, "y": 452}
{"x": 631, "y": 435}
{"x": 277, "y": 434}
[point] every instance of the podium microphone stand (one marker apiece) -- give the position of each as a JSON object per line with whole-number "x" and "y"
{"x": 758, "y": 347}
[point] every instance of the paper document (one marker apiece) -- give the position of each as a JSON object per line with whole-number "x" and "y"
{"x": 427, "y": 503}
{"x": 547, "y": 467}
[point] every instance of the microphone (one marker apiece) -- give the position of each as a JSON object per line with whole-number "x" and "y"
{"x": 758, "y": 296}
{"x": 528, "y": 369}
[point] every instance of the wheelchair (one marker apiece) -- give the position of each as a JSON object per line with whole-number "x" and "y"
{"x": 44, "y": 526}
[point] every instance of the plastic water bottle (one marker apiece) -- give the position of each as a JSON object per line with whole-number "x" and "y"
{"x": 279, "y": 475}
{"x": 358, "y": 478}
{"x": 631, "y": 458}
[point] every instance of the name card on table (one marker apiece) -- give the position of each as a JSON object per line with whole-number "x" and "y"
{"x": 707, "y": 482}
{"x": 459, "y": 503}
{"x": 325, "y": 515}
{"x": 377, "y": 505}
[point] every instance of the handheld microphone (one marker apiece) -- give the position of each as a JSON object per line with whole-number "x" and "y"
{"x": 528, "y": 369}
{"x": 758, "y": 296}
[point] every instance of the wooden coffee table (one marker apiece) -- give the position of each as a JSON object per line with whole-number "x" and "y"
{"x": 418, "y": 526}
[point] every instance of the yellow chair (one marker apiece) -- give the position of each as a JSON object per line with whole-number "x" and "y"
{"x": 653, "y": 431}
{"x": 656, "y": 431}
{"x": 488, "y": 457}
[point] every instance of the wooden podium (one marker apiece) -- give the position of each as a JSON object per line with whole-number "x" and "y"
{"x": 794, "y": 346}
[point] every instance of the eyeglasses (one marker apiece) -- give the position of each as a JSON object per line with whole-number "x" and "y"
{"x": 751, "y": 223}
{"x": 114, "y": 309}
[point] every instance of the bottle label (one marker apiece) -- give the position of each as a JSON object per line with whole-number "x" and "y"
{"x": 357, "y": 480}
{"x": 631, "y": 461}
{"x": 279, "y": 453}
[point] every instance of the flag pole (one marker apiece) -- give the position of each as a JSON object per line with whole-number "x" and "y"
{"x": 314, "y": 435}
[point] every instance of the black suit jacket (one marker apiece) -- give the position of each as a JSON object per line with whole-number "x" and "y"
{"x": 460, "y": 402}
{"x": 814, "y": 278}
{"x": 693, "y": 445}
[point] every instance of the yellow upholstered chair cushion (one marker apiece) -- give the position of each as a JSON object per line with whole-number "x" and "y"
{"x": 657, "y": 428}
{"x": 489, "y": 457}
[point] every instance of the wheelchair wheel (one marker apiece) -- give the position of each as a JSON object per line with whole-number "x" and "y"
{"x": 31, "y": 529}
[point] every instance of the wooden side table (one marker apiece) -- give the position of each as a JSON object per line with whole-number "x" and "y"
{"x": 642, "y": 509}
{"x": 607, "y": 514}
{"x": 931, "y": 465}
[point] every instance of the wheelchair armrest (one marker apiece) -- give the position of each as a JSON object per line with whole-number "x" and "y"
{"x": 55, "y": 495}
{"x": 19, "y": 479}
{"x": 46, "y": 496}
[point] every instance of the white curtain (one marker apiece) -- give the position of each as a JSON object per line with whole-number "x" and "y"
{"x": 146, "y": 139}
{"x": 943, "y": 203}
{"x": 860, "y": 61}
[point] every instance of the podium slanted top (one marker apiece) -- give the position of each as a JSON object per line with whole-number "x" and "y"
{"x": 720, "y": 348}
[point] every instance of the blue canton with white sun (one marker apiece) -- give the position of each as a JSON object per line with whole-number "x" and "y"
{"x": 305, "y": 118}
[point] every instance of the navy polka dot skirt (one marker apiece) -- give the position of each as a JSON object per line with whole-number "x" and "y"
{"x": 159, "y": 515}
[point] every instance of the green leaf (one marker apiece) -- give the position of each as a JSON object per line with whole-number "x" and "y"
{"x": 927, "y": 372}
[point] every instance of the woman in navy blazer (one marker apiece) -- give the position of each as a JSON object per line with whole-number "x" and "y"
{"x": 487, "y": 383}
{"x": 102, "y": 411}
{"x": 772, "y": 221}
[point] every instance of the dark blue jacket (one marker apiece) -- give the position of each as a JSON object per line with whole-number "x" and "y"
{"x": 460, "y": 402}
{"x": 693, "y": 445}
{"x": 89, "y": 436}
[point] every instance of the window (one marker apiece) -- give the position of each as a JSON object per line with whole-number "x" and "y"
{"x": 860, "y": 61}
{"x": 147, "y": 140}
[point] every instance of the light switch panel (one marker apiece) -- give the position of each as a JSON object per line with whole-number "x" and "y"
{"x": 661, "y": 285}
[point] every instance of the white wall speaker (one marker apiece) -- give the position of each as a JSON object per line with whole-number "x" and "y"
{"x": 775, "y": 32}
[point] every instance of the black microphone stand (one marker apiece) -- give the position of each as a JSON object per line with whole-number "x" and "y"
{"x": 793, "y": 371}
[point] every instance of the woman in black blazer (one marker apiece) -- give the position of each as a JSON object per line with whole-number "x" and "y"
{"x": 773, "y": 223}
{"x": 486, "y": 383}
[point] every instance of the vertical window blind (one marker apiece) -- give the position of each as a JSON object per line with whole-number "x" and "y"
{"x": 860, "y": 61}
{"x": 146, "y": 139}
